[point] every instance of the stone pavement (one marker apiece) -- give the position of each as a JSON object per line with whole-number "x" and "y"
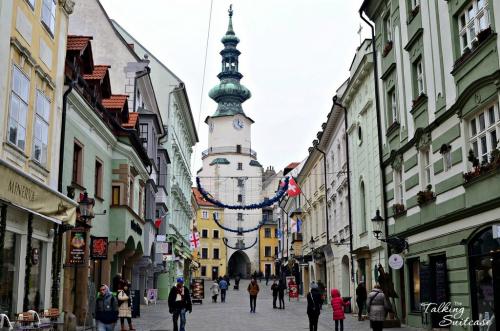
{"x": 234, "y": 315}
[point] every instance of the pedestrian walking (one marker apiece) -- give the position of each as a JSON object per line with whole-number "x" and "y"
{"x": 223, "y": 285}
{"x": 267, "y": 278}
{"x": 124, "y": 306}
{"x": 281, "y": 293}
{"x": 338, "y": 306}
{"x": 106, "y": 309}
{"x": 378, "y": 306}
{"x": 237, "y": 282}
{"x": 361, "y": 297}
{"x": 314, "y": 303}
{"x": 274, "y": 289}
{"x": 214, "y": 289}
{"x": 253, "y": 290}
{"x": 179, "y": 302}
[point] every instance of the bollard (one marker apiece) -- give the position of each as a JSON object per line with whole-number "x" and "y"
{"x": 69, "y": 322}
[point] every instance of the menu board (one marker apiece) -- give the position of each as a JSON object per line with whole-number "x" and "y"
{"x": 197, "y": 289}
{"x": 77, "y": 245}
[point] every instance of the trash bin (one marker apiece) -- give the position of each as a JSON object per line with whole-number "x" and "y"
{"x": 347, "y": 308}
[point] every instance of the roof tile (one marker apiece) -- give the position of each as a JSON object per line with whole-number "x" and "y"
{"x": 116, "y": 101}
{"x": 200, "y": 200}
{"x": 77, "y": 43}
{"x": 98, "y": 73}
{"x": 132, "y": 120}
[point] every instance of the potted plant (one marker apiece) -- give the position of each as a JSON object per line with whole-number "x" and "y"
{"x": 387, "y": 48}
{"x": 415, "y": 102}
{"x": 483, "y": 34}
{"x": 398, "y": 209}
{"x": 425, "y": 196}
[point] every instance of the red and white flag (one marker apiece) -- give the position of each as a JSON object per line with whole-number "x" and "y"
{"x": 195, "y": 240}
{"x": 293, "y": 188}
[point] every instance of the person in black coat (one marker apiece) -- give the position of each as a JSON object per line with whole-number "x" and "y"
{"x": 361, "y": 296}
{"x": 314, "y": 303}
{"x": 275, "y": 288}
{"x": 281, "y": 293}
{"x": 179, "y": 302}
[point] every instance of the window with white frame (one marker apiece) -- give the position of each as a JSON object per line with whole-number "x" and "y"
{"x": 425, "y": 161}
{"x": 143, "y": 134}
{"x": 414, "y": 4}
{"x": 216, "y": 215}
{"x": 204, "y": 214}
{"x": 49, "y": 14}
{"x": 484, "y": 132}
{"x": 474, "y": 19}
{"x": 18, "y": 108}
{"x": 31, "y": 3}
{"x": 398, "y": 186}
{"x": 41, "y": 131}
{"x": 387, "y": 29}
{"x": 393, "y": 107}
{"x": 447, "y": 163}
{"x": 419, "y": 77}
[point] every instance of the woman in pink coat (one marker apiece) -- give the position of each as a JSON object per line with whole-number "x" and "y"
{"x": 338, "y": 305}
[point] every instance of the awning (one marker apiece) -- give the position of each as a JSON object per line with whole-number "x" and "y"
{"x": 26, "y": 193}
{"x": 47, "y": 218}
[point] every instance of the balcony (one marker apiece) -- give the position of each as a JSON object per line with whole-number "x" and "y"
{"x": 228, "y": 149}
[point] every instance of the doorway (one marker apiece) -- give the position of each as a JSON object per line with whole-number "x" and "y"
{"x": 267, "y": 270}
{"x": 215, "y": 272}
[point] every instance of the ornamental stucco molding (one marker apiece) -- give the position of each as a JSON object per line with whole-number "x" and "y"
{"x": 67, "y": 5}
{"x": 423, "y": 140}
{"x": 397, "y": 163}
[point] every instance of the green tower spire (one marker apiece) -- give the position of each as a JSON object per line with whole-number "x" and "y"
{"x": 229, "y": 93}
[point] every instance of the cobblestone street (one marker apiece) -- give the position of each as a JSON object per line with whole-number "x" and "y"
{"x": 234, "y": 315}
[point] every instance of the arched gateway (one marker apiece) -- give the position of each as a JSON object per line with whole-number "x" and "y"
{"x": 239, "y": 264}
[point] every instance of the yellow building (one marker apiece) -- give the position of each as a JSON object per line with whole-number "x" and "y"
{"x": 33, "y": 37}
{"x": 268, "y": 244}
{"x": 211, "y": 253}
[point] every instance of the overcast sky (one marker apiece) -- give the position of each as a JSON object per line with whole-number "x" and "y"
{"x": 295, "y": 54}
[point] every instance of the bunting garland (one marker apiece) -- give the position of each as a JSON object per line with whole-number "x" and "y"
{"x": 237, "y": 231}
{"x": 224, "y": 241}
{"x": 266, "y": 203}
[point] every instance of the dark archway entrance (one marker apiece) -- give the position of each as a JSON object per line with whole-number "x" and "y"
{"x": 239, "y": 264}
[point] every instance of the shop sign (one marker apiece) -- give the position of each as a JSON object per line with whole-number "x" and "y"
{"x": 152, "y": 295}
{"x": 396, "y": 261}
{"x": 99, "y": 248}
{"x": 161, "y": 237}
{"x": 198, "y": 289}
{"x": 136, "y": 227}
{"x": 26, "y": 193}
{"x": 77, "y": 246}
{"x": 293, "y": 291}
{"x": 162, "y": 248}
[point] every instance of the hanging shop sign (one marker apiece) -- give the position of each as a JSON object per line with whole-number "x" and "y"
{"x": 396, "y": 261}
{"x": 99, "y": 248}
{"x": 77, "y": 246}
{"x": 162, "y": 248}
{"x": 161, "y": 237}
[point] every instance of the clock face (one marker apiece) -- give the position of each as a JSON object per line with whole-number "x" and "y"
{"x": 238, "y": 124}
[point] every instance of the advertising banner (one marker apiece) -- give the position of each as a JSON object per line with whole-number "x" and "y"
{"x": 152, "y": 295}
{"x": 77, "y": 247}
{"x": 99, "y": 248}
{"x": 197, "y": 289}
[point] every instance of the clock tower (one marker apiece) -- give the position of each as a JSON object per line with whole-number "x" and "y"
{"x": 231, "y": 172}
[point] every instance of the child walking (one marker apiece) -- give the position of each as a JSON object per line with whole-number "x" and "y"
{"x": 338, "y": 305}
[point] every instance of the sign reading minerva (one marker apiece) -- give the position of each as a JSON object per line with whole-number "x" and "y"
{"x": 22, "y": 191}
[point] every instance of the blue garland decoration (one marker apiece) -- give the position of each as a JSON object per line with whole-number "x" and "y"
{"x": 266, "y": 203}
{"x": 237, "y": 231}
{"x": 224, "y": 241}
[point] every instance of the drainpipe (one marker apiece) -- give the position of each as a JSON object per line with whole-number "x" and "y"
{"x": 72, "y": 83}
{"x": 336, "y": 103}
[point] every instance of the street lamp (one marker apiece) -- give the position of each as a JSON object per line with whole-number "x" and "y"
{"x": 311, "y": 244}
{"x": 396, "y": 243}
{"x": 378, "y": 224}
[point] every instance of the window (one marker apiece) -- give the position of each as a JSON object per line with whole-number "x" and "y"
{"x": 267, "y": 233}
{"x": 18, "y": 108}
{"x": 131, "y": 194}
{"x": 419, "y": 77}
{"x": 240, "y": 197}
{"x": 203, "y": 271}
{"x": 241, "y": 183}
{"x": 414, "y": 3}
{"x": 484, "y": 132}
{"x": 474, "y": 19}
{"x": 216, "y": 215}
{"x": 115, "y": 196}
{"x": 143, "y": 133}
{"x": 238, "y": 149}
{"x": 276, "y": 233}
{"x": 98, "y": 179}
{"x": 267, "y": 251}
{"x": 398, "y": 182}
{"x": 426, "y": 168}
{"x": 414, "y": 271}
{"x": 77, "y": 163}
{"x": 216, "y": 234}
{"x": 216, "y": 254}
{"x": 49, "y": 15}
{"x": 240, "y": 216}
{"x": 31, "y": 3}
{"x": 447, "y": 160}
{"x": 275, "y": 250}
{"x": 204, "y": 214}
{"x": 393, "y": 107}
{"x": 387, "y": 29}
{"x": 362, "y": 203}
{"x": 204, "y": 253}
{"x": 41, "y": 131}
{"x": 204, "y": 233}
{"x": 140, "y": 202}
{"x": 240, "y": 166}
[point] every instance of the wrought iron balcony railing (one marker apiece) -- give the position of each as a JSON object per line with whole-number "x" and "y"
{"x": 229, "y": 149}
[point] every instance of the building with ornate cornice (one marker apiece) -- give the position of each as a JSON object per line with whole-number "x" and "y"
{"x": 231, "y": 172}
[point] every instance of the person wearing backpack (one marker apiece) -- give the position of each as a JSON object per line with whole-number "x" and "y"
{"x": 223, "y": 285}
{"x": 314, "y": 303}
{"x": 377, "y": 306}
{"x": 106, "y": 309}
{"x": 338, "y": 306}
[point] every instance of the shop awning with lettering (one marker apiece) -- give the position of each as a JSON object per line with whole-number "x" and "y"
{"x": 26, "y": 193}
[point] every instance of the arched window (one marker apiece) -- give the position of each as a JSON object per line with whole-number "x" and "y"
{"x": 362, "y": 201}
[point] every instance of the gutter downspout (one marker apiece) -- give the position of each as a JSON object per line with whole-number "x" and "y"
{"x": 63, "y": 134}
{"x": 335, "y": 102}
{"x": 379, "y": 124}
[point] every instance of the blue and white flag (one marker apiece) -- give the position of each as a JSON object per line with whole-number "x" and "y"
{"x": 296, "y": 225}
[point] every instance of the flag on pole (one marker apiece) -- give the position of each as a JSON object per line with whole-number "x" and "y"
{"x": 293, "y": 188}
{"x": 195, "y": 240}
{"x": 296, "y": 225}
